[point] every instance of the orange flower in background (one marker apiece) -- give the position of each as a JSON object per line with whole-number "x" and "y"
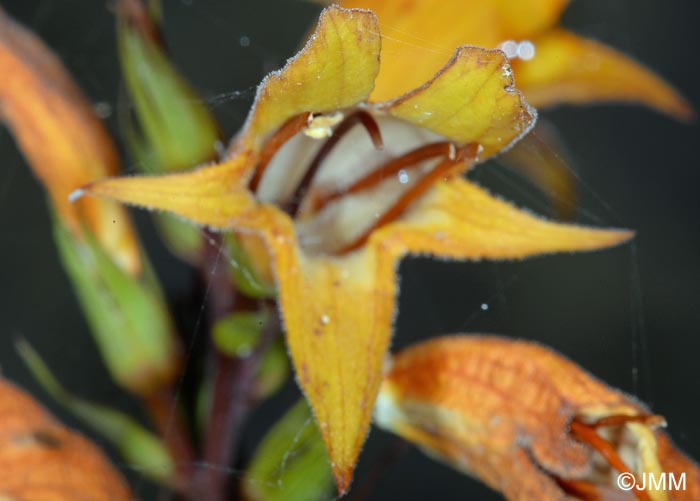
{"x": 42, "y": 460}
{"x": 529, "y": 423}
{"x": 335, "y": 191}
{"x": 551, "y": 65}
{"x": 62, "y": 139}
{"x": 67, "y": 145}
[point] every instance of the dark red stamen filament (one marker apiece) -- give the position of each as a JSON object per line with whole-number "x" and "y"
{"x": 468, "y": 153}
{"x": 588, "y": 434}
{"x": 290, "y": 129}
{"x": 359, "y": 117}
{"x": 391, "y": 168}
{"x": 582, "y": 489}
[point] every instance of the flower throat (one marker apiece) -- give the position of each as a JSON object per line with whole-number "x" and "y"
{"x": 309, "y": 199}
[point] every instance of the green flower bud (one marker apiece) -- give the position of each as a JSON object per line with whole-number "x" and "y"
{"x": 170, "y": 128}
{"x": 127, "y": 314}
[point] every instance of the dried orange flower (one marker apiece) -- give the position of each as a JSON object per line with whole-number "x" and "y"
{"x": 530, "y": 423}
{"x": 334, "y": 191}
{"x": 42, "y": 460}
{"x": 551, "y": 65}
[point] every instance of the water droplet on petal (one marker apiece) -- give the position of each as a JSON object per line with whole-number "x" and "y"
{"x": 526, "y": 50}
{"x": 510, "y": 47}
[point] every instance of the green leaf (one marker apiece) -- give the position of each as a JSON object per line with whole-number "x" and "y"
{"x": 238, "y": 334}
{"x": 291, "y": 461}
{"x": 242, "y": 273}
{"x": 274, "y": 370}
{"x": 139, "y": 447}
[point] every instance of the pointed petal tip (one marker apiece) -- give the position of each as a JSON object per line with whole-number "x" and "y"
{"x": 684, "y": 112}
{"x": 622, "y": 236}
{"x": 343, "y": 478}
{"x": 607, "y": 238}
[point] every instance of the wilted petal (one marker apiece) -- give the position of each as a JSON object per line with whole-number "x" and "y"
{"x": 461, "y": 220}
{"x": 674, "y": 461}
{"x": 62, "y": 139}
{"x": 40, "y": 459}
{"x": 568, "y": 68}
{"x": 471, "y": 100}
{"x": 524, "y": 420}
{"x": 335, "y": 70}
{"x": 419, "y": 37}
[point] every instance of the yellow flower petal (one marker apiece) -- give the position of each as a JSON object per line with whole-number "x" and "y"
{"x": 335, "y": 70}
{"x": 570, "y": 69}
{"x": 213, "y": 196}
{"x": 41, "y": 459}
{"x": 460, "y": 220}
{"x": 523, "y": 419}
{"x": 471, "y": 100}
{"x": 59, "y": 134}
{"x": 338, "y": 315}
{"x": 418, "y": 37}
{"x": 542, "y": 158}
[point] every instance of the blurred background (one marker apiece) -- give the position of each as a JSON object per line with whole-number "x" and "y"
{"x": 629, "y": 315}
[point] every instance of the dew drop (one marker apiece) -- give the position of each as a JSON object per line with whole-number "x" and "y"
{"x": 325, "y": 319}
{"x": 510, "y": 47}
{"x": 403, "y": 176}
{"x": 484, "y": 306}
{"x": 526, "y": 50}
{"x": 244, "y": 41}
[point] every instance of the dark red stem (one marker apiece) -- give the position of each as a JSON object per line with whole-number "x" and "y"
{"x": 233, "y": 384}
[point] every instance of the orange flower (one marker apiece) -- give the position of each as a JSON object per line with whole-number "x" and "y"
{"x": 551, "y": 64}
{"x": 335, "y": 191}
{"x": 63, "y": 140}
{"x": 529, "y": 423}
{"x": 41, "y": 459}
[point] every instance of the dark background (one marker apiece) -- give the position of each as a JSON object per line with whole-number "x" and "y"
{"x": 628, "y": 315}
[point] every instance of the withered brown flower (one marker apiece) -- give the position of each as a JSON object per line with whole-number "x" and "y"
{"x": 530, "y": 423}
